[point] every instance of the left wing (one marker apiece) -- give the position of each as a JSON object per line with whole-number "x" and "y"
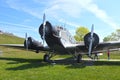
{"x": 13, "y": 45}
{"x": 29, "y": 43}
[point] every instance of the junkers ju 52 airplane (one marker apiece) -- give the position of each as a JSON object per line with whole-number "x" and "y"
{"x": 60, "y": 41}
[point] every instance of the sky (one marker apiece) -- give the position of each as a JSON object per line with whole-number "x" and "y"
{"x": 25, "y": 16}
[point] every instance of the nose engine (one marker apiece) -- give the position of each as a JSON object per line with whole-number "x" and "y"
{"x": 45, "y": 30}
{"x": 95, "y": 40}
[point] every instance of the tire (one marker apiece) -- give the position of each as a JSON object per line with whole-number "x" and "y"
{"x": 79, "y": 58}
{"x": 46, "y": 58}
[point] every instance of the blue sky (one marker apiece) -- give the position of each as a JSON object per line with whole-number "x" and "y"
{"x": 21, "y": 16}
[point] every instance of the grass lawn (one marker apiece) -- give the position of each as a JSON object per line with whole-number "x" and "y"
{"x": 10, "y": 39}
{"x": 18, "y": 64}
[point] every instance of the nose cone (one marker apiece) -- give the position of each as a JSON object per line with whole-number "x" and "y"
{"x": 95, "y": 40}
{"x": 47, "y": 30}
{"x": 41, "y": 30}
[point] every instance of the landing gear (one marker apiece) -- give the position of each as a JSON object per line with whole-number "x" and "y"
{"x": 37, "y": 51}
{"x": 46, "y": 58}
{"x": 96, "y": 57}
{"x": 79, "y": 58}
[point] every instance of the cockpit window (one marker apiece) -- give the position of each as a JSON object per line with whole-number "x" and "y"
{"x": 64, "y": 35}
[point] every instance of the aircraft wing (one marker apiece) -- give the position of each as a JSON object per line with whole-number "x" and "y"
{"x": 101, "y": 47}
{"x": 22, "y": 46}
{"x": 13, "y": 45}
{"x": 108, "y": 45}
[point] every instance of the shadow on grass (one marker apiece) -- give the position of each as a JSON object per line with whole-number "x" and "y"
{"x": 70, "y": 63}
{"x": 73, "y": 64}
{"x": 22, "y": 64}
{"x": 27, "y": 63}
{"x": 85, "y": 63}
{"x": 108, "y": 63}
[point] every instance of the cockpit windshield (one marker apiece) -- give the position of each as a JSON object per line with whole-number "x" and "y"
{"x": 65, "y": 35}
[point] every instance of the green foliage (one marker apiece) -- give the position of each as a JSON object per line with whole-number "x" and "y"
{"x": 114, "y": 36}
{"x": 80, "y": 33}
{"x": 10, "y": 39}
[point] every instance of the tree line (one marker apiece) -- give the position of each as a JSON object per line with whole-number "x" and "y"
{"x": 81, "y": 31}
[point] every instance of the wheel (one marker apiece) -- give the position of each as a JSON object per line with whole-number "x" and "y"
{"x": 37, "y": 51}
{"x": 46, "y": 58}
{"x": 96, "y": 57}
{"x": 79, "y": 58}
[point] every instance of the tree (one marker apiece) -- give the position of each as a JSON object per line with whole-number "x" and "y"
{"x": 80, "y": 33}
{"x": 114, "y": 36}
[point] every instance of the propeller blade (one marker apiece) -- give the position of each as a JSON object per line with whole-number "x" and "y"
{"x": 26, "y": 38}
{"x": 44, "y": 23}
{"x": 44, "y": 17}
{"x": 91, "y": 40}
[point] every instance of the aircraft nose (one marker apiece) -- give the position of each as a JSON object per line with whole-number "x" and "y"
{"x": 47, "y": 30}
{"x": 41, "y": 30}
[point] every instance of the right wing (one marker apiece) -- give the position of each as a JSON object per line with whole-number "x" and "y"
{"x": 101, "y": 47}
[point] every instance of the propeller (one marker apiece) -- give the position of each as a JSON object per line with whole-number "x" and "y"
{"x": 26, "y": 39}
{"x": 91, "y": 40}
{"x": 44, "y": 23}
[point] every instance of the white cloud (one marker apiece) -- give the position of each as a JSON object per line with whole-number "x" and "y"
{"x": 16, "y": 27}
{"x": 101, "y": 14}
{"x": 68, "y": 23}
{"x": 74, "y": 8}
{"x": 66, "y": 7}
{"x": 59, "y": 9}
{"x": 16, "y": 4}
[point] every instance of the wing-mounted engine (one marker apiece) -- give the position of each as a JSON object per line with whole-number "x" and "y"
{"x": 30, "y": 43}
{"x": 95, "y": 40}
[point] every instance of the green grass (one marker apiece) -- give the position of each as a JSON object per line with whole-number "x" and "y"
{"x": 10, "y": 39}
{"x": 16, "y": 64}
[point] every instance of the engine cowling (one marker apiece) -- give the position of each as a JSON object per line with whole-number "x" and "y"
{"x": 95, "y": 40}
{"x": 29, "y": 43}
{"x": 48, "y": 29}
{"x": 32, "y": 44}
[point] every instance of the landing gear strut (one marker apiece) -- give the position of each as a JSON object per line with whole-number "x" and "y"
{"x": 47, "y": 57}
{"x": 79, "y": 58}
